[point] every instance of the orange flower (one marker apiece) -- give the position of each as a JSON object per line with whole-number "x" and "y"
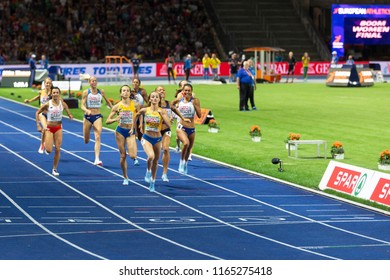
{"x": 384, "y": 157}
{"x": 337, "y": 144}
{"x": 294, "y": 136}
{"x": 337, "y": 148}
{"x": 255, "y": 131}
{"x": 213, "y": 123}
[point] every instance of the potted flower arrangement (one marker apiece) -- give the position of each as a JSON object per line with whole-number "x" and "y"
{"x": 213, "y": 126}
{"x": 384, "y": 160}
{"x": 292, "y": 136}
{"x": 337, "y": 150}
{"x": 255, "y": 133}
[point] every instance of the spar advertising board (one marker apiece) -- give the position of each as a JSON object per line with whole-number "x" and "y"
{"x": 356, "y": 181}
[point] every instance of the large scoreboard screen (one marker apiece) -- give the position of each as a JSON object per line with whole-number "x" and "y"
{"x": 360, "y": 24}
{"x": 16, "y": 78}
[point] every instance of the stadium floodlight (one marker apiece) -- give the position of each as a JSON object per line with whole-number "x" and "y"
{"x": 278, "y": 161}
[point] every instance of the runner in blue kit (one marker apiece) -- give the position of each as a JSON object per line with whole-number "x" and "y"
{"x": 188, "y": 106}
{"x": 140, "y": 95}
{"x": 90, "y": 104}
{"x": 166, "y": 130}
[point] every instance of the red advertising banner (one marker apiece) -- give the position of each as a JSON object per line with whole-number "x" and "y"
{"x": 196, "y": 71}
{"x": 381, "y": 192}
{"x": 343, "y": 179}
{"x": 356, "y": 181}
{"x": 315, "y": 69}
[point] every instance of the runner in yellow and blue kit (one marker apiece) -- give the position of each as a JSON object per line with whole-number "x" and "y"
{"x": 125, "y": 132}
{"x": 153, "y": 118}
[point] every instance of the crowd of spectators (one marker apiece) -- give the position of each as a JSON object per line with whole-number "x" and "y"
{"x": 85, "y": 31}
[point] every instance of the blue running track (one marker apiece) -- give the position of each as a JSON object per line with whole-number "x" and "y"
{"x": 215, "y": 212}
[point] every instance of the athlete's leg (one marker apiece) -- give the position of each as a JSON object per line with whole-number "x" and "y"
{"x": 43, "y": 121}
{"x": 183, "y": 137}
{"x": 57, "y": 144}
{"x": 48, "y": 141}
{"x": 156, "y": 152}
{"x": 86, "y": 130}
{"x": 132, "y": 146}
{"x": 166, "y": 139}
{"x": 97, "y": 130}
{"x": 120, "y": 141}
{"x": 148, "y": 148}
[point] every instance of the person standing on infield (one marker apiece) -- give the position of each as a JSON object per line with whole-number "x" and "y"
{"x": 291, "y": 66}
{"x": 305, "y": 65}
{"x": 244, "y": 85}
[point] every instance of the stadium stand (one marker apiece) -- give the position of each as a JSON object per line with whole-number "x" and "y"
{"x": 76, "y": 31}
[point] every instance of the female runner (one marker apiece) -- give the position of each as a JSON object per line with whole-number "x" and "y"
{"x": 53, "y": 127}
{"x": 141, "y": 97}
{"x": 124, "y": 134}
{"x": 166, "y": 130}
{"x": 188, "y": 106}
{"x": 153, "y": 117}
{"x": 90, "y": 104}
{"x": 44, "y": 95}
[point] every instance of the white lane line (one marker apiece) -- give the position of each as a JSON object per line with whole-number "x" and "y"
{"x": 154, "y": 212}
{"x": 68, "y": 212}
{"x": 228, "y": 205}
{"x": 310, "y": 204}
{"x": 283, "y": 195}
{"x": 73, "y": 217}
{"x": 46, "y": 197}
{"x": 35, "y": 222}
{"x": 148, "y": 206}
{"x": 202, "y": 196}
{"x": 344, "y": 215}
{"x": 178, "y": 202}
{"x": 326, "y": 210}
{"x": 252, "y": 199}
{"x": 219, "y": 220}
{"x": 108, "y": 209}
{"x": 60, "y": 206}
{"x": 147, "y": 196}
